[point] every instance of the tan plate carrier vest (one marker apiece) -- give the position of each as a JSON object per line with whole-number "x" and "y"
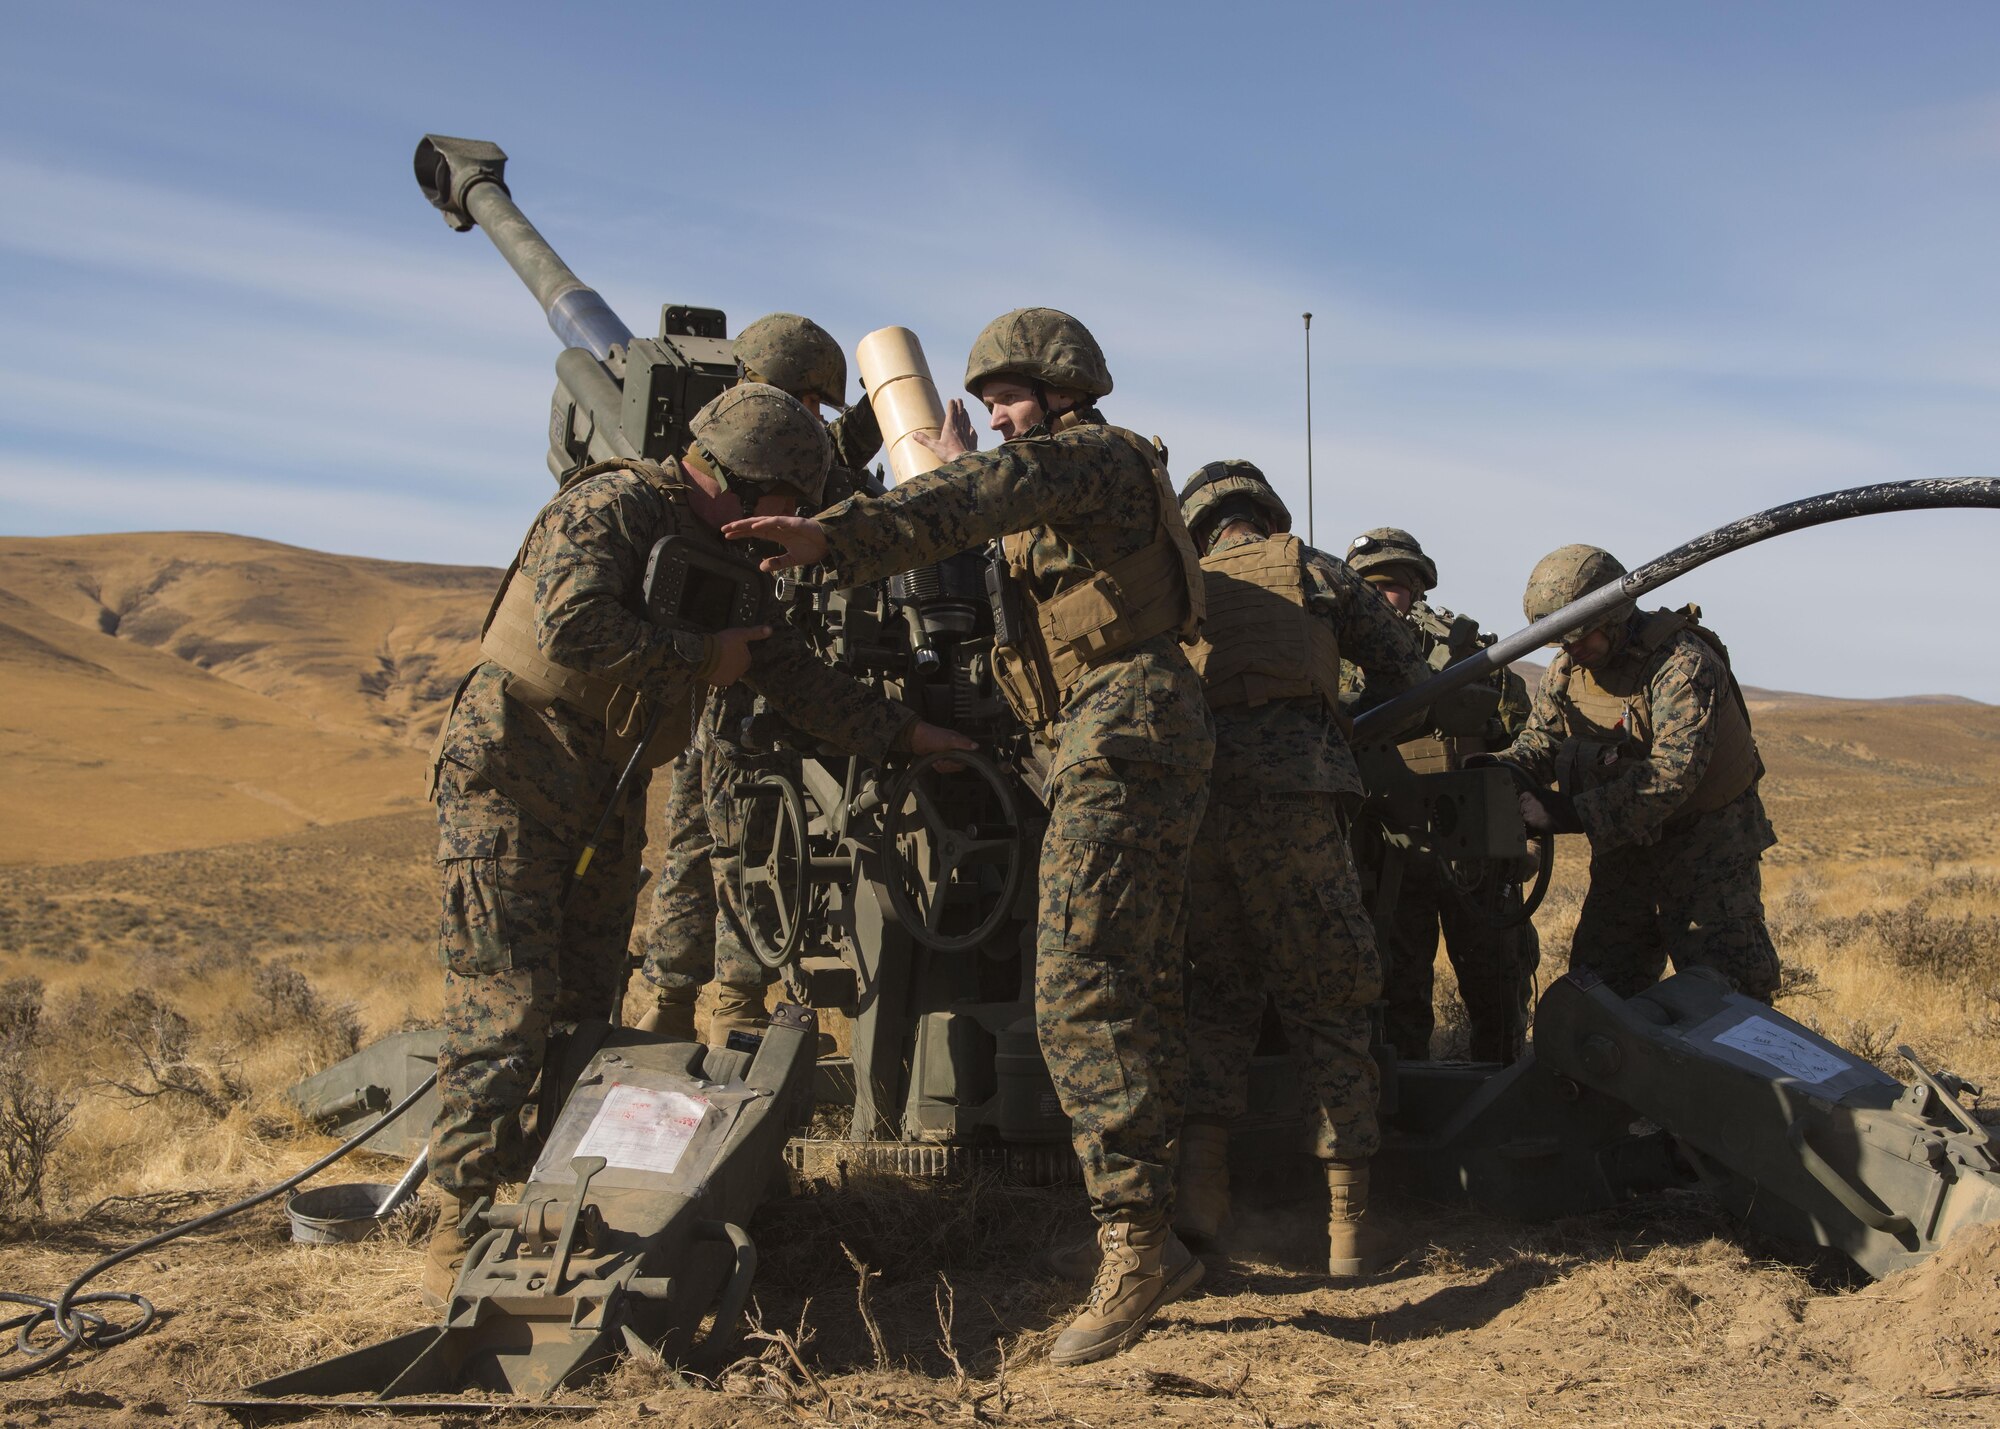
{"x": 1608, "y": 715}
{"x": 1260, "y": 642}
{"x": 1155, "y": 589}
{"x": 508, "y": 640}
{"x": 1435, "y": 753}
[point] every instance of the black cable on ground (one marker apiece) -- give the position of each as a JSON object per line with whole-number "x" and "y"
{"x": 84, "y": 1327}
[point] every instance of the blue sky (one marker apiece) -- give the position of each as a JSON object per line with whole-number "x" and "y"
{"x": 1579, "y": 272}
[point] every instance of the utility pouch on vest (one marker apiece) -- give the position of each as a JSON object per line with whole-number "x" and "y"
{"x": 1155, "y": 589}
{"x": 1019, "y": 669}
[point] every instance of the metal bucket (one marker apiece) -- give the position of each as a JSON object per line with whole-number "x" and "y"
{"x": 329, "y": 1215}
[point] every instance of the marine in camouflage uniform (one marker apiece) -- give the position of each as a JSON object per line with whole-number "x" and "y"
{"x": 1275, "y": 905}
{"x": 696, "y": 930}
{"x": 1095, "y": 546}
{"x": 1495, "y": 966}
{"x": 1642, "y": 726}
{"x": 531, "y": 750}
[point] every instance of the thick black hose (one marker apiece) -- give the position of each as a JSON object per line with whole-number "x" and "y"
{"x": 79, "y": 1327}
{"x": 1873, "y": 500}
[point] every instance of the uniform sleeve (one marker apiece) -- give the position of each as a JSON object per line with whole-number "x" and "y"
{"x": 968, "y": 502}
{"x": 1384, "y": 647}
{"x": 589, "y": 559}
{"x": 833, "y": 708}
{"x": 1630, "y": 808}
{"x": 856, "y": 436}
{"x": 1534, "y": 747}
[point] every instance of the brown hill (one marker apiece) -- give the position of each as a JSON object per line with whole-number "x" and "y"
{"x": 180, "y": 690}
{"x": 348, "y": 642}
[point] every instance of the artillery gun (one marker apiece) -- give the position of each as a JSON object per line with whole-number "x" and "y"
{"x": 901, "y": 896}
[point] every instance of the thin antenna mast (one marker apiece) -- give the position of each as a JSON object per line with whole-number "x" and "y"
{"x": 1309, "y": 429}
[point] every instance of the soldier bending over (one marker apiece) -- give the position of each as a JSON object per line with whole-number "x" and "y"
{"x": 528, "y": 756}
{"x": 1643, "y": 729}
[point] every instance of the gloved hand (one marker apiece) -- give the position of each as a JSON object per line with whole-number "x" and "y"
{"x": 1545, "y": 811}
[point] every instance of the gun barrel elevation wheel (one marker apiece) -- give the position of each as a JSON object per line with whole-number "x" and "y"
{"x": 954, "y": 851}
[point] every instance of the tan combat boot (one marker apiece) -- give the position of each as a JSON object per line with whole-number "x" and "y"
{"x": 1356, "y": 1245}
{"x": 444, "y": 1257}
{"x": 1144, "y": 1266}
{"x": 1077, "y": 1261}
{"x": 737, "y": 1009}
{"x": 673, "y": 1020}
{"x": 1201, "y": 1192}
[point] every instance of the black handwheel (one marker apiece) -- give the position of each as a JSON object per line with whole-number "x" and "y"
{"x": 773, "y": 870}
{"x": 932, "y": 861}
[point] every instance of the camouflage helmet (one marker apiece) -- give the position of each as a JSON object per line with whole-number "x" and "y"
{"x": 1569, "y": 573}
{"x": 793, "y": 354}
{"x": 756, "y": 435}
{"x": 1386, "y": 547}
{"x": 1038, "y": 345}
{"x": 1211, "y": 488}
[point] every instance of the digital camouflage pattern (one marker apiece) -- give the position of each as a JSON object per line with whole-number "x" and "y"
{"x": 1039, "y": 345}
{"x": 1495, "y": 967}
{"x": 1289, "y": 746}
{"x": 1274, "y": 911}
{"x": 519, "y": 788}
{"x": 795, "y": 354}
{"x": 695, "y": 931}
{"x": 1212, "y": 486}
{"x": 1695, "y": 898}
{"x": 1110, "y": 1008}
{"x": 1132, "y": 748}
{"x": 1691, "y": 883}
{"x": 1569, "y": 573}
{"x": 1275, "y": 905}
{"x": 1089, "y": 497}
{"x": 755, "y": 434}
{"x": 517, "y": 961}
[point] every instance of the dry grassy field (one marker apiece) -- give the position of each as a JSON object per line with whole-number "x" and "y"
{"x": 161, "y": 982}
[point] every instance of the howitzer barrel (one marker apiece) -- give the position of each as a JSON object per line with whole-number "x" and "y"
{"x": 1778, "y": 520}
{"x": 465, "y": 181}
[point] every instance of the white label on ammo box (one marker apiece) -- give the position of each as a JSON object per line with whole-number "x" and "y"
{"x": 642, "y": 1129}
{"x": 1784, "y": 1049}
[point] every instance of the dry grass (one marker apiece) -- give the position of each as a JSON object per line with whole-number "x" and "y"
{"x": 173, "y": 996}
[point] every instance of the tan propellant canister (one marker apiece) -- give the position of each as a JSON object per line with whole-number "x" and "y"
{"x": 904, "y": 397}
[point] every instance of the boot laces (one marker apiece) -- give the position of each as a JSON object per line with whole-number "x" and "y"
{"x": 1110, "y": 1268}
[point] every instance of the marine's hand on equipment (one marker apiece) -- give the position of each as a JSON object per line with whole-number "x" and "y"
{"x": 956, "y": 438}
{"x": 732, "y": 653}
{"x": 1545, "y": 811}
{"x": 928, "y": 738}
{"x": 801, "y": 536}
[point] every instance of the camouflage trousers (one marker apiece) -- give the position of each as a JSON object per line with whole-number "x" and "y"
{"x": 1696, "y": 898}
{"x": 517, "y": 961}
{"x": 696, "y": 930}
{"x": 1275, "y": 912}
{"x": 1495, "y": 967}
{"x": 1109, "y": 1006}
